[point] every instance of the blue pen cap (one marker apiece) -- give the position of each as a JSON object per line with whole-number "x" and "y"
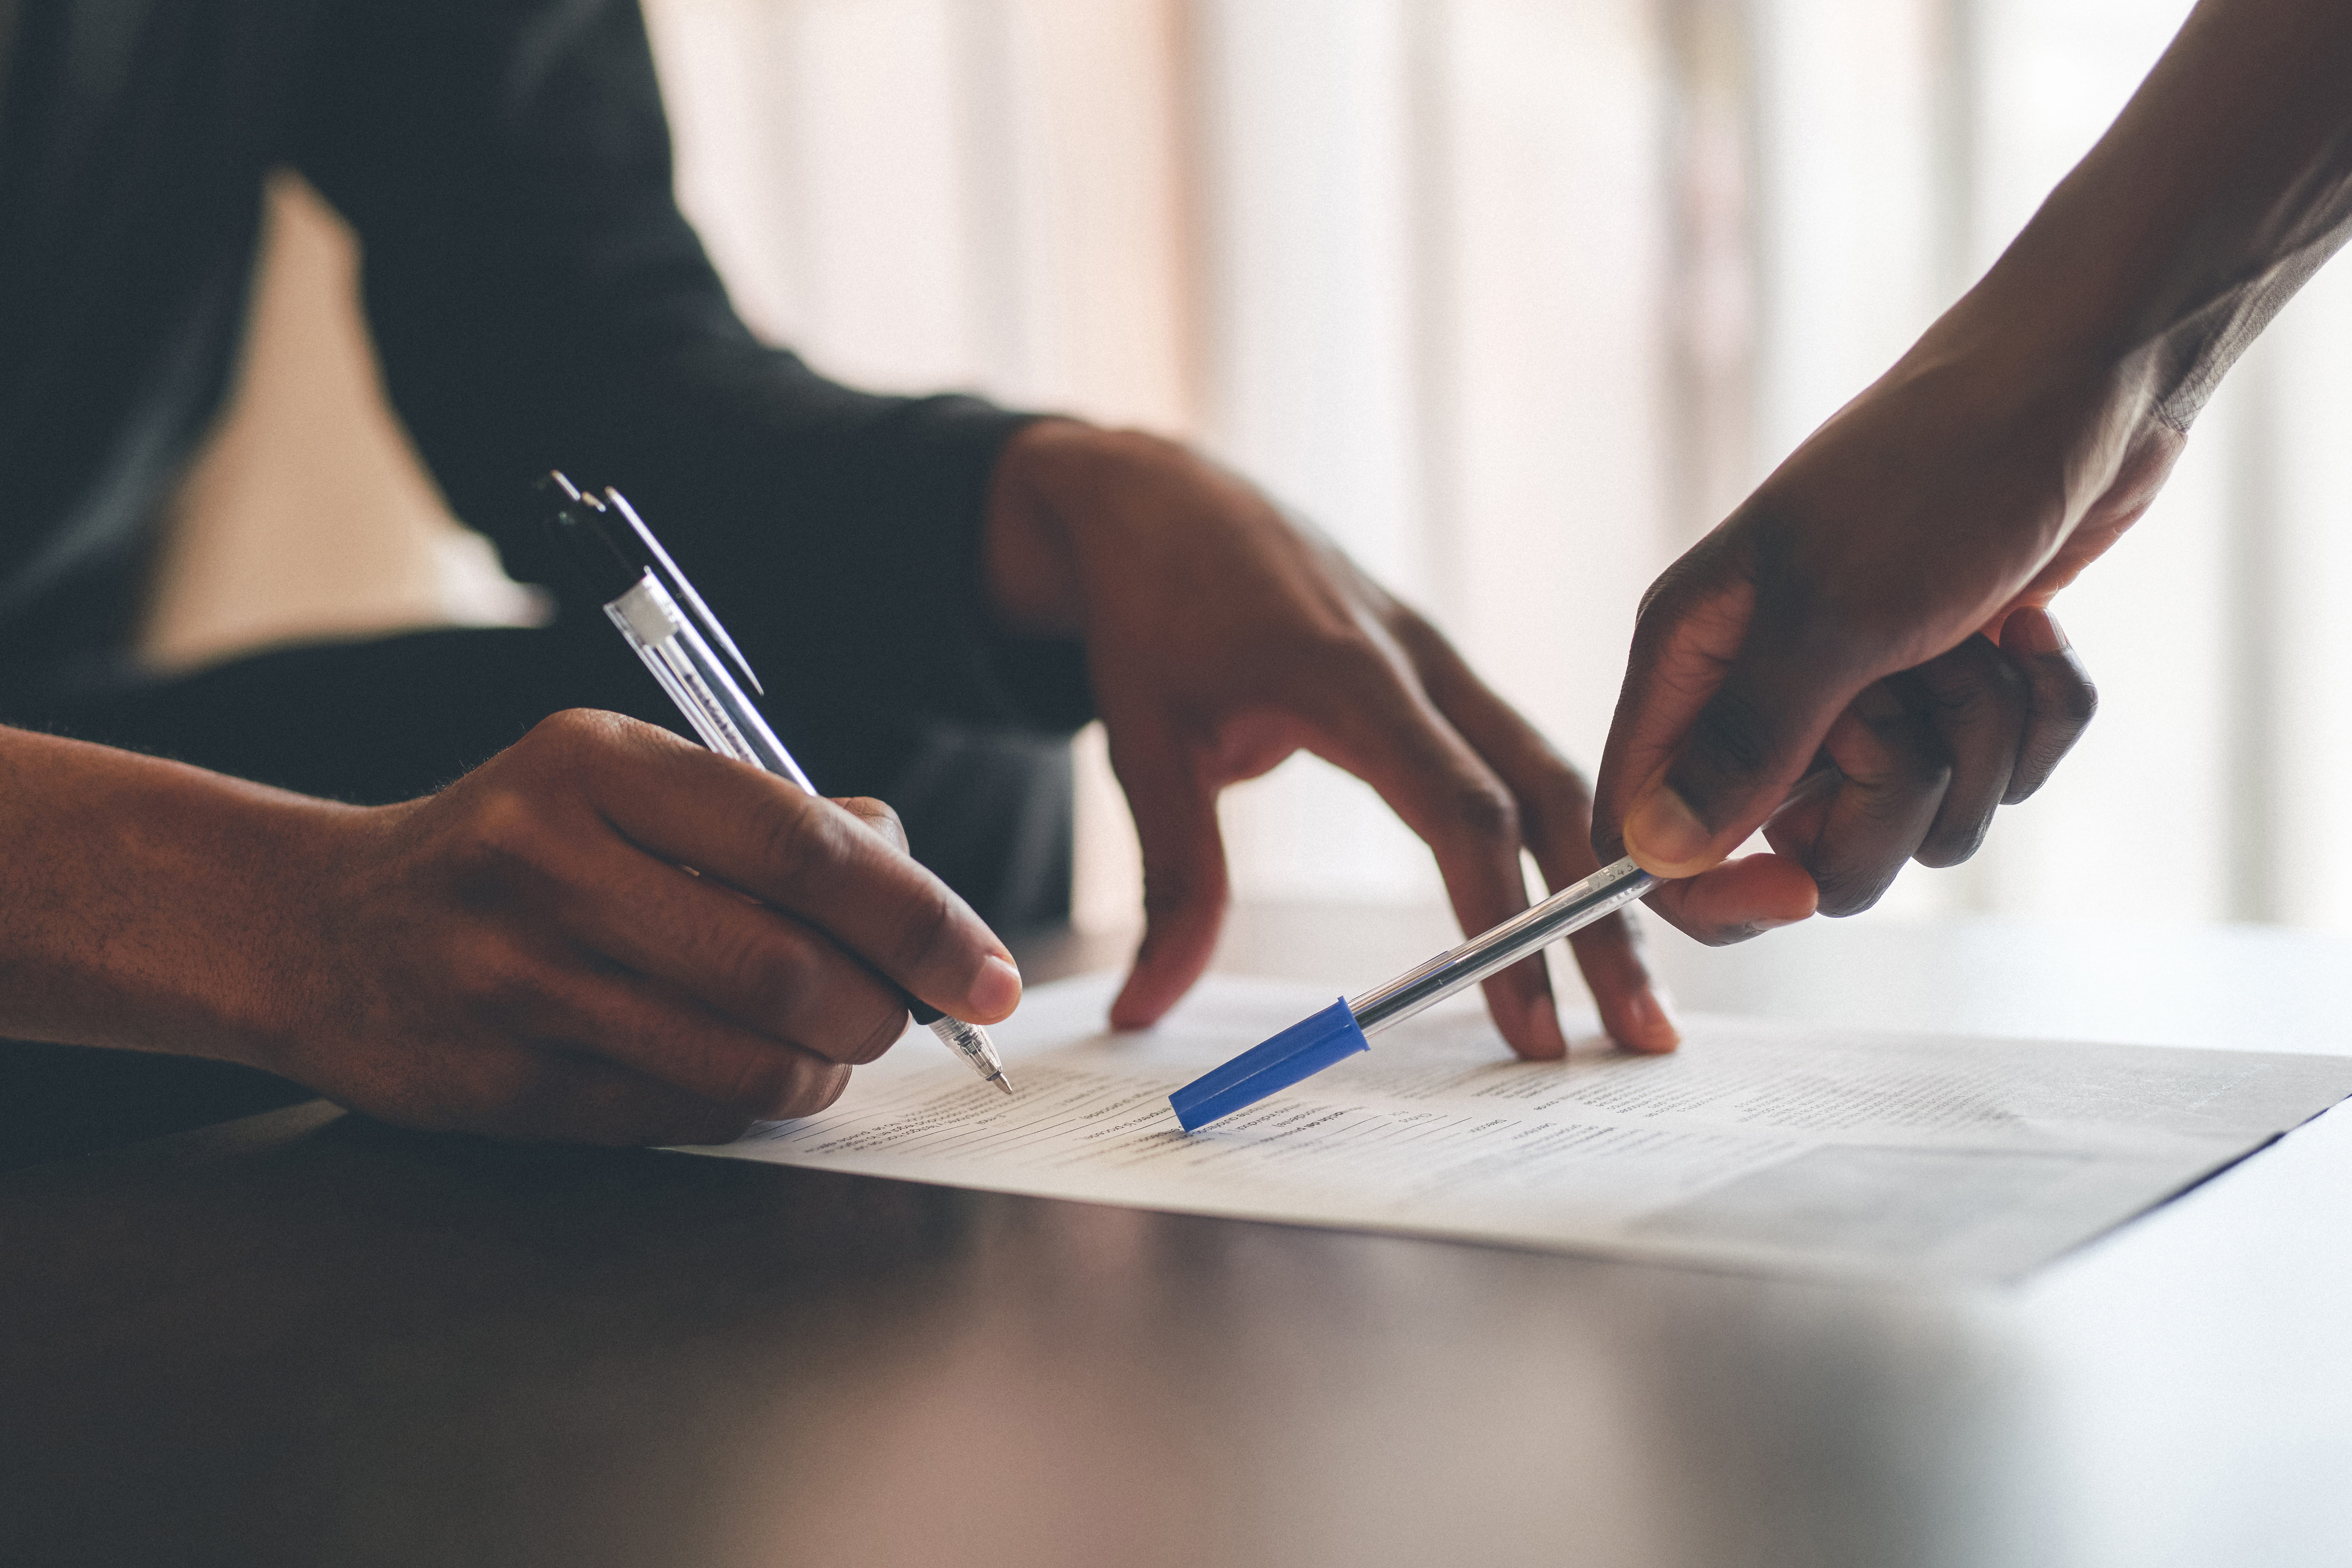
{"x": 1301, "y": 1051}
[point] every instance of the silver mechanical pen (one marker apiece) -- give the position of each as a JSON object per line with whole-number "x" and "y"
{"x": 665, "y": 621}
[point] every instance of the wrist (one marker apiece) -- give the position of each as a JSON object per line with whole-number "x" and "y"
{"x": 1056, "y": 504}
{"x": 2029, "y": 385}
{"x": 292, "y": 898}
{"x": 153, "y": 906}
{"x": 2222, "y": 186}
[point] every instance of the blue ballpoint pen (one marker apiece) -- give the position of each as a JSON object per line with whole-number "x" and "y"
{"x": 657, "y": 612}
{"x": 1338, "y": 1032}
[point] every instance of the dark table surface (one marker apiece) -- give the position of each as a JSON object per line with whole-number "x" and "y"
{"x": 302, "y": 1338}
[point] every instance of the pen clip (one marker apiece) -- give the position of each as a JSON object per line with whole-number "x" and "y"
{"x": 680, "y": 589}
{"x": 582, "y": 518}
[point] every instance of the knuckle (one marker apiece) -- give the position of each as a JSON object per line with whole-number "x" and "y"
{"x": 1568, "y": 788}
{"x": 2078, "y": 701}
{"x": 498, "y": 980}
{"x": 764, "y": 971}
{"x": 825, "y": 1008}
{"x": 1487, "y": 813}
{"x": 505, "y": 835}
{"x": 1730, "y": 733}
{"x": 1925, "y": 772}
{"x": 1726, "y": 935}
{"x": 1900, "y": 810}
{"x": 1954, "y": 694}
{"x": 569, "y": 733}
{"x": 1413, "y": 632}
{"x": 1962, "y": 693}
{"x": 879, "y": 817}
{"x": 1903, "y": 760}
{"x": 793, "y": 838}
{"x": 1558, "y": 822}
{"x": 836, "y": 1084}
{"x": 926, "y": 931}
{"x": 1169, "y": 885}
{"x": 1352, "y": 662}
{"x": 811, "y": 995}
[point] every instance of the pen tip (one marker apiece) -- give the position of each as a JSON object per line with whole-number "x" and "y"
{"x": 1001, "y": 1081}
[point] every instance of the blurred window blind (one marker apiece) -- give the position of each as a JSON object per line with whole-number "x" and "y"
{"x": 1515, "y": 298}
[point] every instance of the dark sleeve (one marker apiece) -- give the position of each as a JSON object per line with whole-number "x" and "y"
{"x": 539, "y": 302}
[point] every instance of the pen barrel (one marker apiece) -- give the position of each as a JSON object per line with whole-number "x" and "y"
{"x": 705, "y": 691}
{"x": 706, "y": 694}
{"x": 970, "y": 1043}
{"x": 1568, "y": 911}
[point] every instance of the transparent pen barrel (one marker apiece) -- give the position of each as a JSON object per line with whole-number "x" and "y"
{"x": 969, "y": 1043}
{"x": 1568, "y": 911}
{"x": 703, "y": 689}
{"x": 694, "y": 678}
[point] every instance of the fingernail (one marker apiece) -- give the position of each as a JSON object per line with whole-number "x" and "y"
{"x": 996, "y": 990}
{"x": 2039, "y": 634}
{"x": 1653, "y": 1024}
{"x": 1665, "y": 837}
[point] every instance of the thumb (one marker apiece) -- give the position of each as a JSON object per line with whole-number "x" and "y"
{"x": 1722, "y": 716}
{"x": 1184, "y": 881}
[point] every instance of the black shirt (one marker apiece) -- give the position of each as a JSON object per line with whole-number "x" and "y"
{"x": 535, "y": 297}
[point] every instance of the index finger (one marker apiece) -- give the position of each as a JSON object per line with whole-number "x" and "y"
{"x": 803, "y": 854}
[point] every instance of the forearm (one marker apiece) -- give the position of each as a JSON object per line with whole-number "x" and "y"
{"x": 142, "y": 901}
{"x": 2226, "y": 182}
{"x": 1837, "y": 611}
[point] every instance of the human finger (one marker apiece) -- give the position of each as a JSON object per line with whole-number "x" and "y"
{"x": 1746, "y": 746}
{"x": 798, "y": 853}
{"x": 659, "y": 1032}
{"x": 1184, "y": 884}
{"x": 1974, "y": 697}
{"x": 1727, "y": 692}
{"x": 1692, "y": 625}
{"x": 1388, "y": 732}
{"x": 767, "y": 972}
{"x": 1556, "y": 824}
{"x": 534, "y": 1095}
{"x": 1892, "y": 773}
{"x": 2061, "y": 700}
{"x": 879, "y": 816}
{"x": 1742, "y": 898}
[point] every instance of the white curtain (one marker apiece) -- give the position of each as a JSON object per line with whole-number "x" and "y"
{"x": 1514, "y": 297}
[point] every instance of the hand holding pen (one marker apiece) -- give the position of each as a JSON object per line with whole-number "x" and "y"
{"x": 662, "y": 618}
{"x": 519, "y": 954}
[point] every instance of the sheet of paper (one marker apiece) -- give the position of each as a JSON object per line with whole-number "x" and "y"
{"x": 1756, "y": 1144}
